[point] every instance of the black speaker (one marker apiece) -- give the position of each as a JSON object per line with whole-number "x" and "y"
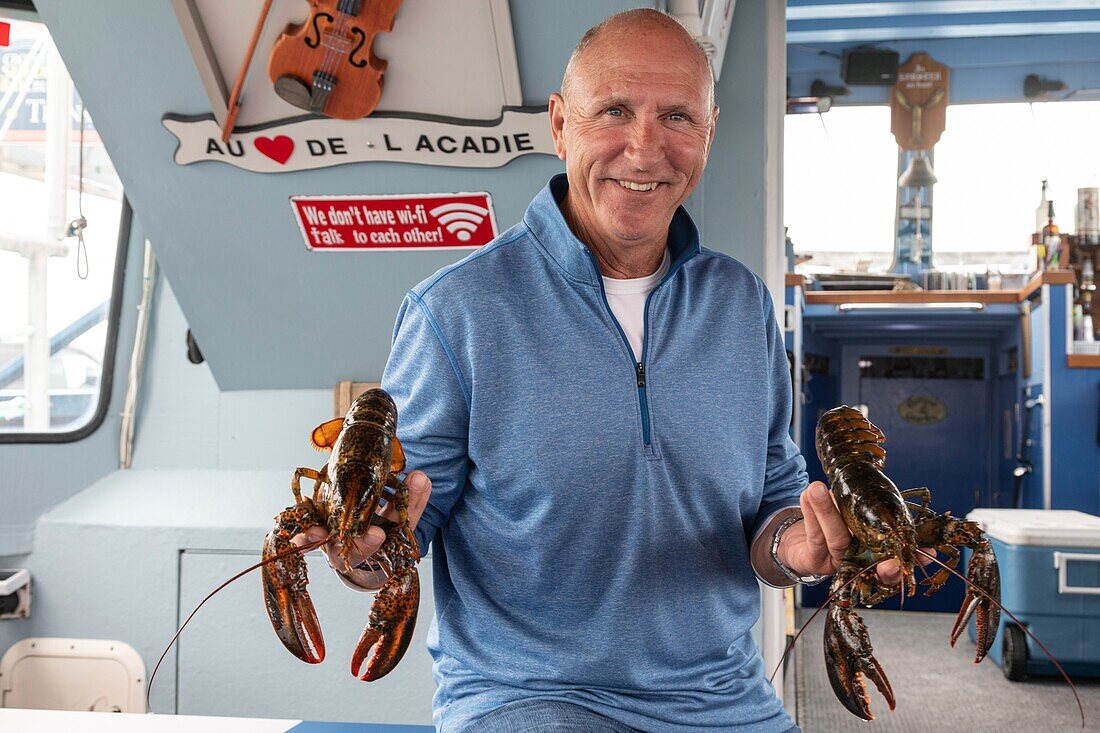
{"x": 869, "y": 67}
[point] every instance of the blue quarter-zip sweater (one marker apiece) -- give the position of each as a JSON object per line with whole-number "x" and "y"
{"x": 590, "y": 517}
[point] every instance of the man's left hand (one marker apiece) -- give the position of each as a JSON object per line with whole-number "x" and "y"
{"x": 816, "y": 545}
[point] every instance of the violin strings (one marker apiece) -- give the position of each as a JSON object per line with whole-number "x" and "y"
{"x": 327, "y": 58}
{"x": 329, "y": 61}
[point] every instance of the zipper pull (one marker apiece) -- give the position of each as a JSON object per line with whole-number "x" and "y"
{"x": 641, "y": 375}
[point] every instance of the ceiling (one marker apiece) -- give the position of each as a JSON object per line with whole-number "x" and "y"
{"x": 829, "y": 21}
{"x": 991, "y": 46}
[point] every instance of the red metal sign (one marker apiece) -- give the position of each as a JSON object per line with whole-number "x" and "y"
{"x": 417, "y": 221}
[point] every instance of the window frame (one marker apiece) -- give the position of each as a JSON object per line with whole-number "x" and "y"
{"x": 110, "y": 348}
{"x": 20, "y": 10}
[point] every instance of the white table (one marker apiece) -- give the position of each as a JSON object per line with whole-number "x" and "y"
{"x": 47, "y": 721}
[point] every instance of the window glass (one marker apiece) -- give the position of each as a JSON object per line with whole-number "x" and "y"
{"x": 54, "y": 292}
{"x": 840, "y": 186}
{"x": 991, "y": 162}
{"x": 840, "y": 182}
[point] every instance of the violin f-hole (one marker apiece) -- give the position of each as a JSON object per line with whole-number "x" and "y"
{"x": 360, "y": 63}
{"x": 316, "y": 40}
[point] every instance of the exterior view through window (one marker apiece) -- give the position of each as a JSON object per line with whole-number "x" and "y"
{"x": 54, "y": 291}
{"x": 841, "y": 171}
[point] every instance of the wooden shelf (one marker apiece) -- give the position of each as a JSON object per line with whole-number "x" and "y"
{"x": 814, "y": 297}
{"x": 1083, "y": 361}
{"x": 1050, "y": 277}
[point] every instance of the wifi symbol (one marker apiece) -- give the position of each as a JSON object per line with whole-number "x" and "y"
{"x": 460, "y": 220}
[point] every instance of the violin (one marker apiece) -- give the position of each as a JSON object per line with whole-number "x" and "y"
{"x": 326, "y": 65}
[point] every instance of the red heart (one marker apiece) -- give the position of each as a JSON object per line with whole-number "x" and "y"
{"x": 278, "y": 149}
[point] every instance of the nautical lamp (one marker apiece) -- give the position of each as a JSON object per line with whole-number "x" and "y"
{"x": 918, "y": 174}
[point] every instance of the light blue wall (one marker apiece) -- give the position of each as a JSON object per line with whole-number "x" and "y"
{"x": 729, "y": 203}
{"x": 188, "y": 423}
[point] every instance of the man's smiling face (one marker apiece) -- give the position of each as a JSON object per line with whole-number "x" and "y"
{"x": 634, "y": 133}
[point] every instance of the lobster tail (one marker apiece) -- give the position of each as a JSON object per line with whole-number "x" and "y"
{"x": 845, "y": 436}
{"x": 374, "y": 406}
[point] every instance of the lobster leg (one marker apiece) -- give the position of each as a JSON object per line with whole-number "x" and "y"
{"x": 401, "y": 503}
{"x": 923, "y": 492}
{"x": 393, "y": 613}
{"x": 317, "y": 476}
{"x": 983, "y": 573}
{"x": 848, "y": 653}
{"x": 941, "y": 576}
{"x": 288, "y": 604}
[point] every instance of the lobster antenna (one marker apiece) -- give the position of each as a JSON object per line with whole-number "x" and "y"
{"x": 901, "y": 569}
{"x": 822, "y": 607}
{"x": 303, "y": 549}
{"x": 1072, "y": 687}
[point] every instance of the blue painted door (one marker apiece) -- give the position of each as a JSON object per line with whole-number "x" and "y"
{"x": 934, "y": 412}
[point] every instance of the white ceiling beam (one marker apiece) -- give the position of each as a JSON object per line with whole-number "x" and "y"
{"x": 933, "y": 7}
{"x": 902, "y": 33}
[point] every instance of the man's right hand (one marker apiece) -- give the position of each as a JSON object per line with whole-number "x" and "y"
{"x": 420, "y": 488}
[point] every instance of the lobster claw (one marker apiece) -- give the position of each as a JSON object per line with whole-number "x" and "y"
{"x": 390, "y": 627}
{"x": 848, "y": 658}
{"x": 984, "y": 573}
{"x": 288, "y": 604}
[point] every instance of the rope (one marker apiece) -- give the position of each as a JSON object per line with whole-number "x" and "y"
{"x": 78, "y": 225}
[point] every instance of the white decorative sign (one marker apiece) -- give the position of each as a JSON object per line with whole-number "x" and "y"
{"x": 320, "y": 142}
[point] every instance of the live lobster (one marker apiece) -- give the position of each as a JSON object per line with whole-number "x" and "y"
{"x": 366, "y": 458}
{"x": 888, "y": 523}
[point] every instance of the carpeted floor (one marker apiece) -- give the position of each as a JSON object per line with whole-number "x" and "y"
{"x": 938, "y": 689}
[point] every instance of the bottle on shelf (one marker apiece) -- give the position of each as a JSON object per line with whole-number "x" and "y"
{"x": 1079, "y": 322}
{"x": 1038, "y": 249}
{"x": 1051, "y": 240}
{"x": 1088, "y": 320}
{"x": 1088, "y": 218}
{"x": 1041, "y": 210}
{"x": 1088, "y": 289}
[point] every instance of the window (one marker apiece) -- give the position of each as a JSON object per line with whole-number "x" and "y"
{"x": 55, "y": 292}
{"x": 991, "y": 162}
{"x": 840, "y": 182}
{"x": 840, "y": 186}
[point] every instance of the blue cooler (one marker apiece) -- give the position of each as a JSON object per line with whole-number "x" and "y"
{"x": 1050, "y": 579}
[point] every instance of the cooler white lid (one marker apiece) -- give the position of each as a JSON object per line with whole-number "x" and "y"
{"x": 1054, "y": 527}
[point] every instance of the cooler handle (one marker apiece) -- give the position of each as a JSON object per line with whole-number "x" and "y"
{"x": 1061, "y": 562}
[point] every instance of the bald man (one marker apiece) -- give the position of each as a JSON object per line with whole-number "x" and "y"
{"x": 602, "y": 406}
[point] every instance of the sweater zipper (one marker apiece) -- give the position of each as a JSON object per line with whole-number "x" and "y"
{"x": 639, "y": 366}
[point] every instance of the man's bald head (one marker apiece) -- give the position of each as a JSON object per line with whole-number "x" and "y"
{"x": 619, "y": 26}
